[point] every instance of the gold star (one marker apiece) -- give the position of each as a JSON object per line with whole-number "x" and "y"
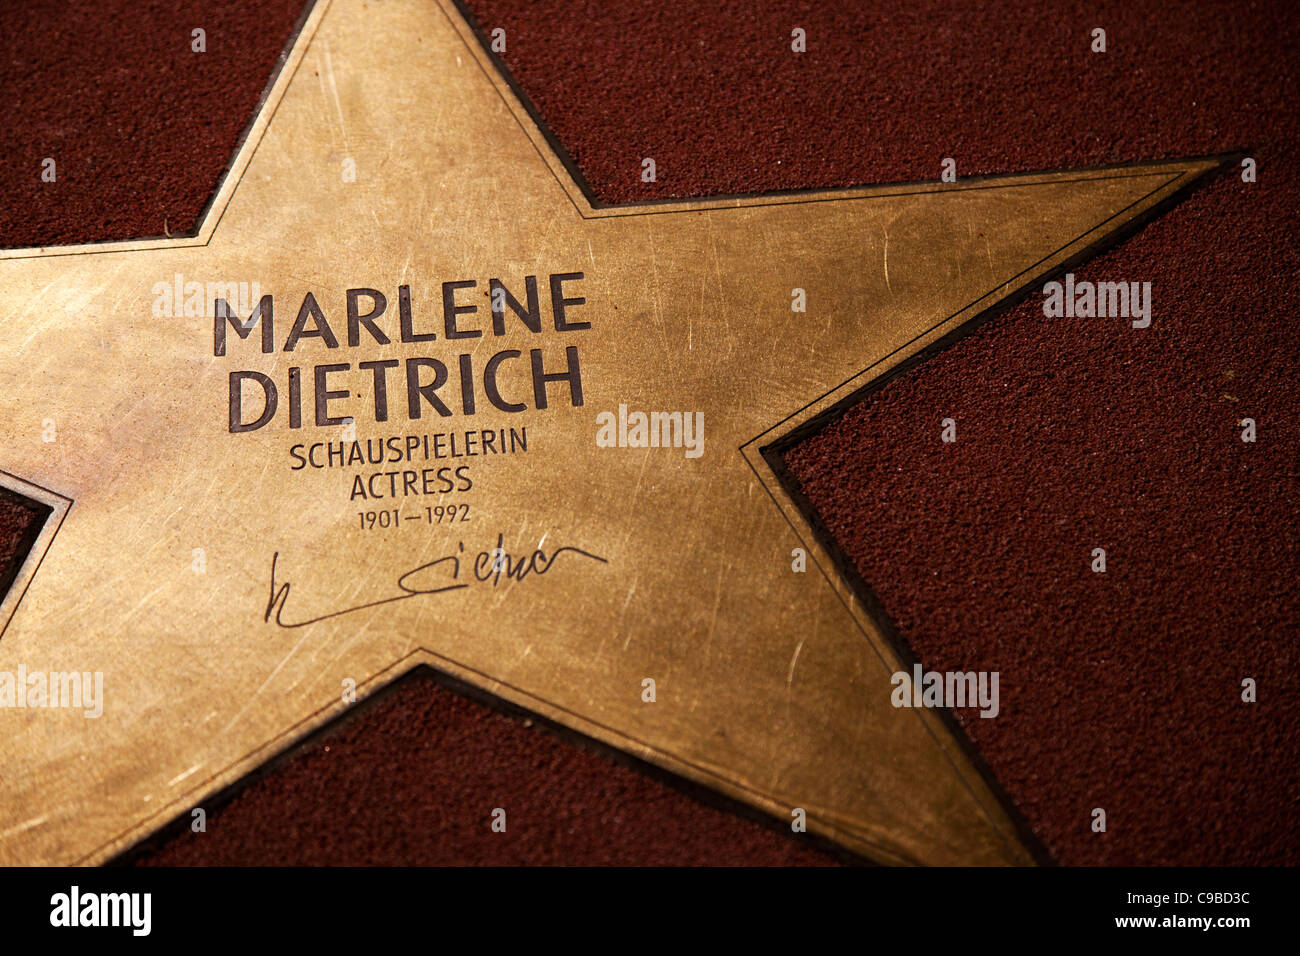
{"x": 646, "y": 596}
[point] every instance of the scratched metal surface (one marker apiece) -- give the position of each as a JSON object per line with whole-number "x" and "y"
{"x": 772, "y": 686}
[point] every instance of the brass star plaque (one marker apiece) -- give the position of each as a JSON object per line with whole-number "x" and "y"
{"x": 410, "y": 396}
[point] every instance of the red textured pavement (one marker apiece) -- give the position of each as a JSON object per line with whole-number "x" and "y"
{"x": 1119, "y": 690}
{"x": 414, "y": 781}
{"x": 20, "y": 522}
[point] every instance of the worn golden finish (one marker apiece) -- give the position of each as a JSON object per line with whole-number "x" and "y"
{"x": 772, "y": 686}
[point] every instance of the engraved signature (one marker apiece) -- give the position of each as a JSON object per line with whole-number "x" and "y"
{"x": 435, "y": 577}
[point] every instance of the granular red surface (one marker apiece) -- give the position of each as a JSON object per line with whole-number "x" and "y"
{"x": 140, "y": 127}
{"x": 1120, "y": 690}
{"x": 415, "y": 780}
{"x": 20, "y": 522}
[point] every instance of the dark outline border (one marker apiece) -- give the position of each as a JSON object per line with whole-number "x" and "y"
{"x": 500, "y": 705}
{"x": 775, "y": 451}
